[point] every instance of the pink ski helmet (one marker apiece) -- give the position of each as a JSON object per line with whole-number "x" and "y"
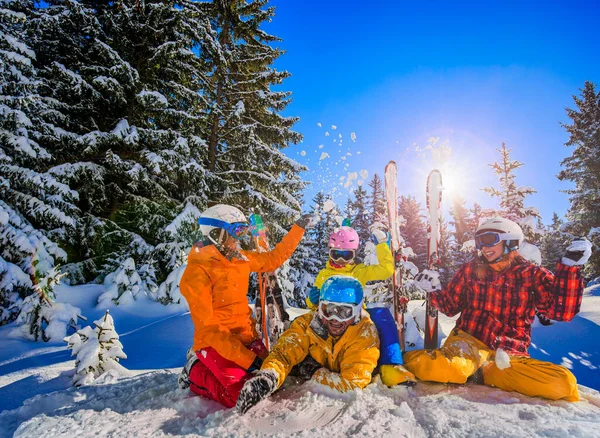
{"x": 344, "y": 238}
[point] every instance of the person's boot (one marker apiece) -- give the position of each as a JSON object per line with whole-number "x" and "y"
{"x": 184, "y": 376}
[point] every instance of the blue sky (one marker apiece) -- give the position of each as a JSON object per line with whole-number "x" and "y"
{"x": 473, "y": 74}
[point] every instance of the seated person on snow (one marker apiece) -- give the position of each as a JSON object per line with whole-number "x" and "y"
{"x": 497, "y": 295}
{"x": 215, "y": 284}
{"x": 343, "y": 243}
{"x": 336, "y": 345}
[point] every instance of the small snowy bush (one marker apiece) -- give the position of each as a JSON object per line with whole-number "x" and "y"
{"x": 125, "y": 283}
{"x": 41, "y": 316}
{"x": 98, "y": 351}
{"x": 168, "y": 292}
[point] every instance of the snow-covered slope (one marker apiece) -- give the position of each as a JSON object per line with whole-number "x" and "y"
{"x": 149, "y": 403}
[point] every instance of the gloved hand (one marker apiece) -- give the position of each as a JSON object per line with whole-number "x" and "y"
{"x": 258, "y": 348}
{"x": 257, "y": 388}
{"x": 392, "y": 375}
{"x": 307, "y": 221}
{"x": 314, "y": 295}
{"x": 256, "y": 364}
{"x": 380, "y": 236}
{"x": 307, "y": 368}
{"x": 578, "y": 252}
{"x": 428, "y": 280}
{"x": 318, "y": 327}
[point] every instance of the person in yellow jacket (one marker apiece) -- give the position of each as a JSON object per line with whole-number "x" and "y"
{"x": 215, "y": 284}
{"x": 337, "y": 345}
{"x": 343, "y": 244}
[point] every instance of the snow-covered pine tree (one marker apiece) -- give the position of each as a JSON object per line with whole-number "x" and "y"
{"x": 414, "y": 231}
{"x": 97, "y": 350}
{"x": 304, "y": 265}
{"x": 135, "y": 96}
{"x": 477, "y": 216}
{"x": 34, "y": 207}
{"x": 247, "y": 131}
{"x": 553, "y": 243}
{"x": 464, "y": 230}
{"x": 447, "y": 266}
{"x": 583, "y": 169}
{"x": 376, "y": 203}
{"x": 512, "y": 198}
{"x": 359, "y": 218}
{"x": 327, "y": 222}
{"x": 174, "y": 252}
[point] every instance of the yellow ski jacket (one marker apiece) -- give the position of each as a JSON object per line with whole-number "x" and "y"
{"x": 362, "y": 272}
{"x": 348, "y": 362}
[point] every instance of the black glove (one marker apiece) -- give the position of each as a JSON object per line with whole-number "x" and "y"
{"x": 256, "y": 364}
{"x": 307, "y": 221}
{"x": 257, "y": 388}
{"x": 307, "y": 368}
{"x": 318, "y": 327}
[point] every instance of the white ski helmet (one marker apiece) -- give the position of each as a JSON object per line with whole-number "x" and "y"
{"x": 508, "y": 231}
{"x": 224, "y": 213}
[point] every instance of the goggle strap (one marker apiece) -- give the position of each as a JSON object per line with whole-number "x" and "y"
{"x": 230, "y": 228}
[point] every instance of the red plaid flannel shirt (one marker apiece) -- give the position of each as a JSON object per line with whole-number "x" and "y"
{"x": 500, "y": 309}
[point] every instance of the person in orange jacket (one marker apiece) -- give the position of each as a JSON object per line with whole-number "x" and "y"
{"x": 215, "y": 284}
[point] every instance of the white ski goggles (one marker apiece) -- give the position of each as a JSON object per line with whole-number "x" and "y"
{"x": 340, "y": 312}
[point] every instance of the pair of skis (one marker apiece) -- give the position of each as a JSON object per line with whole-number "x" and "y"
{"x": 434, "y": 199}
{"x": 269, "y": 305}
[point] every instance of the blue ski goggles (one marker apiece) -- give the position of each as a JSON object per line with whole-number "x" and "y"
{"x": 487, "y": 239}
{"x": 346, "y": 255}
{"x": 236, "y": 229}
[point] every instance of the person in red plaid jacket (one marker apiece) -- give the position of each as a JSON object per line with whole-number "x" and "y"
{"x": 497, "y": 296}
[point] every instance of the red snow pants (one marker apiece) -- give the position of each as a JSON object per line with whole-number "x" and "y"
{"x": 217, "y": 378}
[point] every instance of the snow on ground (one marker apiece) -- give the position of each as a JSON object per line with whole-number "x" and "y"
{"x": 37, "y": 398}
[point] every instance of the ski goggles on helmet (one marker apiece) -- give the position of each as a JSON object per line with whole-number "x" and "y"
{"x": 346, "y": 255}
{"x": 487, "y": 239}
{"x": 340, "y": 312}
{"x": 236, "y": 229}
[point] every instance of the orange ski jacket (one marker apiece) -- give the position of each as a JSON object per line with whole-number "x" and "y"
{"x": 216, "y": 288}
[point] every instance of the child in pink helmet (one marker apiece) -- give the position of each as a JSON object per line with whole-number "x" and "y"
{"x": 343, "y": 244}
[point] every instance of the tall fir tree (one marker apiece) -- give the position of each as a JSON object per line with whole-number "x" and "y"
{"x": 304, "y": 265}
{"x": 414, "y": 231}
{"x": 35, "y": 208}
{"x": 359, "y": 218}
{"x": 553, "y": 243}
{"x": 583, "y": 169}
{"x": 512, "y": 198}
{"x": 476, "y": 219}
{"x": 377, "y": 204}
{"x": 326, "y": 224}
{"x": 447, "y": 267}
{"x": 246, "y": 129}
{"x": 135, "y": 97}
{"x": 464, "y": 230}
